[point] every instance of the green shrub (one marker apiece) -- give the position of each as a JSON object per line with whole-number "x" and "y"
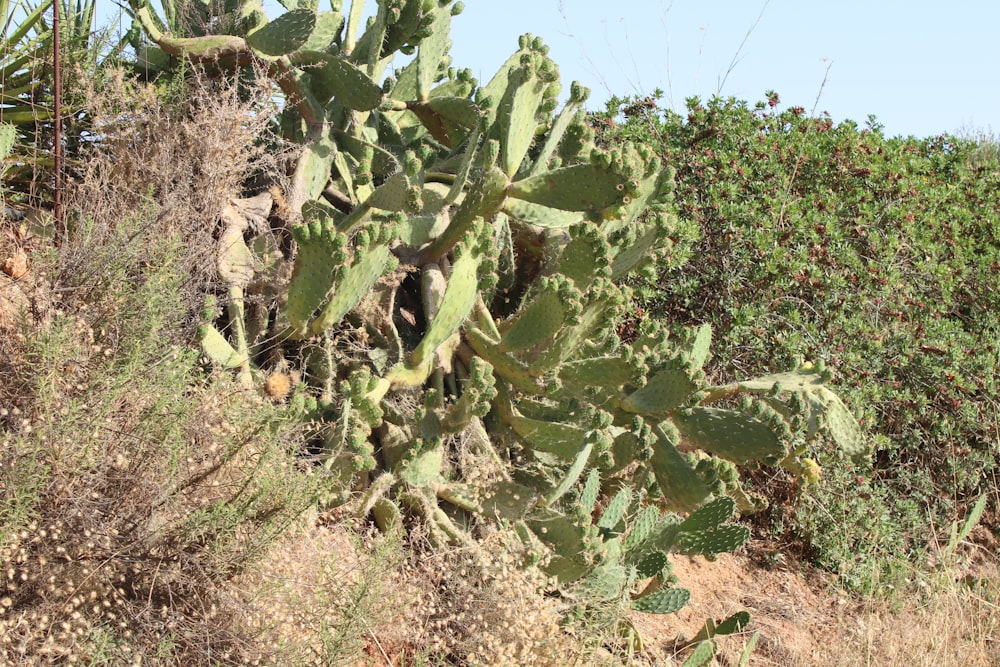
{"x": 134, "y": 487}
{"x": 877, "y": 254}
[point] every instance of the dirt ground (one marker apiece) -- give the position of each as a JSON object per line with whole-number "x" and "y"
{"x": 801, "y": 619}
{"x": 804, "y": 619}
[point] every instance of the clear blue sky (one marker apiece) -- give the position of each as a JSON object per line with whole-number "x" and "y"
{"x": 920, "y": 67}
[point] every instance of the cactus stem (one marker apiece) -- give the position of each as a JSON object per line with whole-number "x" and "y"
{"x": 236, "y": 318}
{"x": 353, "y": 22}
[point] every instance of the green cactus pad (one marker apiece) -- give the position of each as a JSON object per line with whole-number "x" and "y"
{"x": 841, "y": 424}
{"x": 391, "y": 195}
{"x": 419, "y": 229}
{"x": 347, "y": 83}
{"x": 681, "y": 486}
{"x": 424, "y": 468}
{"x": 567, "y": 117}
{"x": 562, "y": 440}
{"x": 541, "y": 216}
{"x": 432, "y": 51}
{"x": 567, "y": 343}
{"x": 612, "y": 519}
{"x": 496, "y": 87}
{"x": 285, "y": 34}
{"x": 328, "y": 27}
{"x": 405, "y": 88}
{"x": 313, "y": 172}
{"x": 709, "y": 516}
{"x": 588, "y": 495}
{"x": 567, "y": 569}
{"x": 313, "y": 272}
{"x": 516, "y": 117}
{"x": 459, "y": 110}
{"x": 459, "y": 298}
{"x": 358, "y": 280}
{"x": 401, "y": 30}
{"x": 794, "y": 381}
{"x": 566, "y": 540}
{"x": 8, "y": 135}
{"x": 507, "y": 500}
{"x": 446, "y": 118}
{"x": 642, "y": 528}
{"x": 611, "y": 372}
{"x": 475, "y": 400}
{"x": 504, "y": 366}
{"x": 650, "y": 189}
{"x": 636, "y": 253}
{"x": 573, "y": 472}
{"x": 383, "y": 163}
{"x": 387, "y": 515}
{"x": 605, "y": 583}
{"x": 651, "y": 564}
{"x": 729, "y": 434}
{"x": 482, "y": 201}
{"x": 217, "y": 348}
{"x": 586, "y": 256}
{"x": 703, "y": 655}
{"x": 723, "y": 539}
{"x": 664, "y": 392}
{"x": 700, "y": 345}
{"x": 738, "y": 622}
{"x": 666, "y": 601}
{"x": 580, "y": 187}
{"x": 536, "y": 323}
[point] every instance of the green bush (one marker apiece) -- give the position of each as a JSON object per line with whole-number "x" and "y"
{"x": 133, "y": 487}
{"x": 876, "y": 254}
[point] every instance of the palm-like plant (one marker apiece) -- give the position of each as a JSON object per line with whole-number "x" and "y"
{"x": 27, "y": 92}
{"x": 24, "y": 47}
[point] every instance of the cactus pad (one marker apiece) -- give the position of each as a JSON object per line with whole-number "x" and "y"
{"x": 726, "y": 538}
{"x": 459, "y": 297}
{"x": 664, "y": 392}
{"x": 730, "y": 434}
{"x": 680, "y": 484}
{"x": 328, "y": 27}
{"x": 666, "y": 601}
{"x": 651, "y": 564}
{"x": 345, "y": 82}
{"x": 285, "y": 34}
{"x": 581, "y": 187}
{"x": 536, "y": 323}
{"x": 217, "y": 348}
{"x": 541, "y": 216}
{"x": 321, "y": 253}
{"x": 710, "y": 515}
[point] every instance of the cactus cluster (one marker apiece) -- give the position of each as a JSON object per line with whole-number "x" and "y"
{"x": 449, "y": 266}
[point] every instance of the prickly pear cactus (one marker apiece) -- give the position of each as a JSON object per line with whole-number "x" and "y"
{"x": 456, "y": 291}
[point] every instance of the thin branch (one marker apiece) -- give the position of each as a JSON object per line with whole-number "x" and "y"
{"x": 736, "y": 56}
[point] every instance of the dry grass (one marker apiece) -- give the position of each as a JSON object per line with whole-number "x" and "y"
{"x": 133, "y": 488}
{"x": 958, "y": 626}
{"x": 131, "y": 497}
{"x": 482, "y": 607}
